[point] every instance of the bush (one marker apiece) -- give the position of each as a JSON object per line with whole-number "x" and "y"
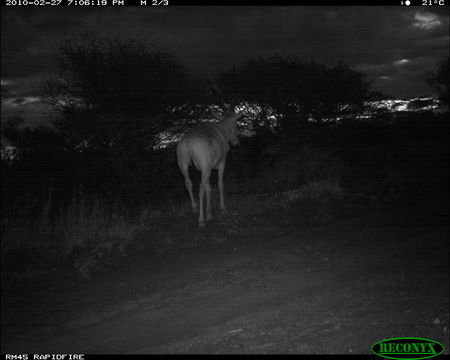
{"x": 307, "y": 164}
{"x": 279, "y": 169}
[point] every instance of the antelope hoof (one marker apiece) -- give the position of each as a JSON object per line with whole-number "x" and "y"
{"x": 201, "y": 224}
{"x": 209, "y": 216}
{"x": 194, "y": 209}
{"x": 223, "y": 209}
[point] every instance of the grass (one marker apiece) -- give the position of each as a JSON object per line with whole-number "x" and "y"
{"x": 85, "y": 236}
{"x": 368, "y": 165}
{"x": 91, "y": 233}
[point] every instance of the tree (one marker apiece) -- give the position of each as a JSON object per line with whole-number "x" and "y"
{"x": 112, "y": 91}
{"x": 439, "y": 80}
{"x": 297, "y": 90}
{"x": 112, "y": 99}
{"x": 38, "y": 157}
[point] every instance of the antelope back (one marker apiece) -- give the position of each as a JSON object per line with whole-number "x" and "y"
{"x": 207, "y": 146}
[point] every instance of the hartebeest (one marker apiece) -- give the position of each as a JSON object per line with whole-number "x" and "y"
{"x": 206, "y": 148}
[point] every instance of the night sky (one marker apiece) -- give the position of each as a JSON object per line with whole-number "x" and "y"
{"x": 394, "y": 46}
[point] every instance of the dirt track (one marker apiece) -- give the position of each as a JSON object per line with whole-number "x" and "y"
{"x": 332, "y": 289}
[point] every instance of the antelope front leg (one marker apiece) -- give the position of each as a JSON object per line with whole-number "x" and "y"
{"x": 203, "y": 185}
{"x": 208, "y": 202}
{"x": 221, "y": 169}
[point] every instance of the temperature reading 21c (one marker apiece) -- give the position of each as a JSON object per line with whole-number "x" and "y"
{"x": 433, "y": 2}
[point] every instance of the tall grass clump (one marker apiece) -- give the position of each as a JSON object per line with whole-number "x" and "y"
{"x": 85, "y": 234}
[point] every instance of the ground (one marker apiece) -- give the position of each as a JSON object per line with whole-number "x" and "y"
{"x": 275, "y": 288}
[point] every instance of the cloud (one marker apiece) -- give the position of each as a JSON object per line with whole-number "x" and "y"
{"x": 427, "y": 21}
{"x": 20, "y": 101}
{"x": 23, "y": 86}
{"x": 377, "y": 40}
{"x": 31, "y": 109}
{"x": 401, "y": 62}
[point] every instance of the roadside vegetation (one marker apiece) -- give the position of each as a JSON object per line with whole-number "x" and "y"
{"x": 79, "y": 194}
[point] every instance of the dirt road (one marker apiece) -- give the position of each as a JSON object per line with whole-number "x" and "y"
{"x": 275, "y": 289}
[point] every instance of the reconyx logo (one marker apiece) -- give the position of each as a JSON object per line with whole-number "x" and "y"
{"x": 407, "y": 348}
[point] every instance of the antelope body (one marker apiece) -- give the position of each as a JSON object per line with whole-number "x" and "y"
{"x": 206, "y": 148}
